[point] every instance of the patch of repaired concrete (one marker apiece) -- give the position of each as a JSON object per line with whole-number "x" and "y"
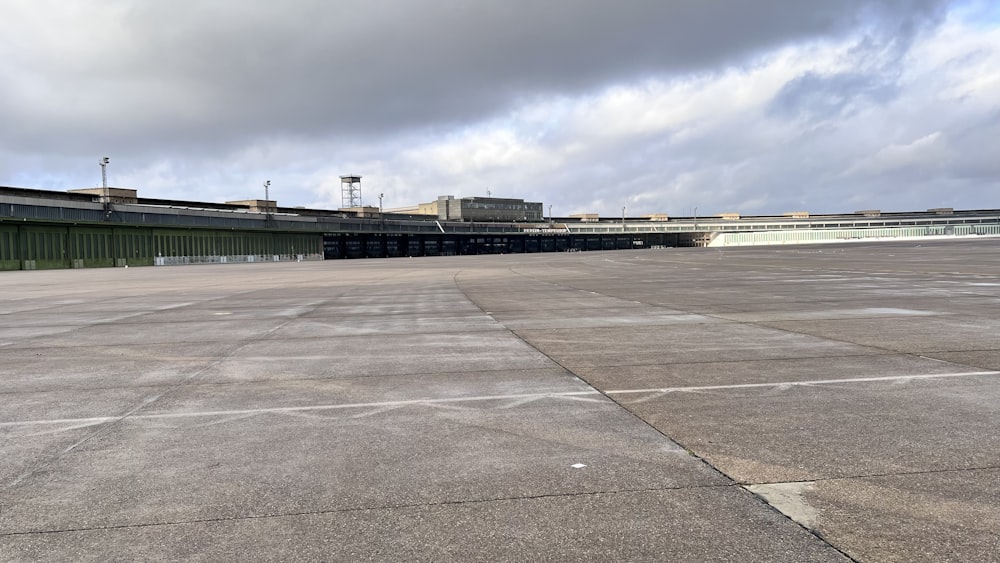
{"x": 788, "y": 499}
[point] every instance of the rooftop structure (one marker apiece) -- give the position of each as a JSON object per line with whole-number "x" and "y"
{"x": 450, "y": 208}
{"x": 350, "y": 191}
{"x": 111, "y": 195}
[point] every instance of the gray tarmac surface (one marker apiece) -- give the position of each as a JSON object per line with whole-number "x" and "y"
{"x": 754, "y": 404}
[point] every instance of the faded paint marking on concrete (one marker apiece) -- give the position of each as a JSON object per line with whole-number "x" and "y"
{"x": 517, "y": 400}
{"x": 788, "y": 498}
{"x": 378, "y": 406}
{"x": 790, "y": 384}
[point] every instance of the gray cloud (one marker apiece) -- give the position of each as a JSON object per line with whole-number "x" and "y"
{"x": 816, "y": 96}
{"x": 204, "y": 99}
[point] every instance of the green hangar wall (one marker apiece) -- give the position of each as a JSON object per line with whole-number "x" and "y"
{"x": 28, "y": 245}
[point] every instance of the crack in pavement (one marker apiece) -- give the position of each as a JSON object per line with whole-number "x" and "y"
{"x": 366, "y": 509}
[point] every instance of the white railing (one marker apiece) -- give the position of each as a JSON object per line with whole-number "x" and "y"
{"x": 233, "y": 258}
{"x": 849, "y": 235}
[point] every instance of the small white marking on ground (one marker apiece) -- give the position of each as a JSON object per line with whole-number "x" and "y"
{"x": 578, "y": 465}
{"x": 892, "y": 311}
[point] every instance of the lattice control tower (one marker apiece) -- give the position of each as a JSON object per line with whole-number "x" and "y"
{"x": 350, "y": 191}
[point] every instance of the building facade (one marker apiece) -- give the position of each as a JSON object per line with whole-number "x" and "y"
{"x": 450, "y": 208}
{"x": 114, "y": 227}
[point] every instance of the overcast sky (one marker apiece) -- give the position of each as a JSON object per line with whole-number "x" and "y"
{"x": 757, "y": 107}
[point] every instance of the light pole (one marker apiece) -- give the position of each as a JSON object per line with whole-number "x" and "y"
{"x": 267, "y": 202}
{"x": 624, "y": 207}
{"x": 695, "y": 230}
{"x": 381, "y": 218}
{"x": 550, "y": 213}
{"x": 104, "y": 171}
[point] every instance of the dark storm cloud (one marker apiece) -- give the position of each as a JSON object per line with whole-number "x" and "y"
{"x": 206, "y": 74}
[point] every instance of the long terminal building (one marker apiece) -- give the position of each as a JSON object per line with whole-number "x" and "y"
{"x": 106, "y": 227}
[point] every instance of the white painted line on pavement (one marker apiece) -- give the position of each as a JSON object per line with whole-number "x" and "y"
{"x": 806, "y": 383}
{"x": 518, "y": 398}
{"x": 385, "y": 405}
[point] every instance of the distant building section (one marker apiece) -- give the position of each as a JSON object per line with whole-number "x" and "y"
{"x": 586, "y": 217}
{"x": 111, "y": 195}
{"x": 657, "y": 217}
{"x": 797, "y": 214}
{"x": 407, "y": 210}
{"x": 450, "y": 208}
{"x": 256, "y": 205}
{"x": 869, "y": 212}
{"x": 430, "y": 208}
{"x": 362, "y": 211}
{"x": 730, "y": 216}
